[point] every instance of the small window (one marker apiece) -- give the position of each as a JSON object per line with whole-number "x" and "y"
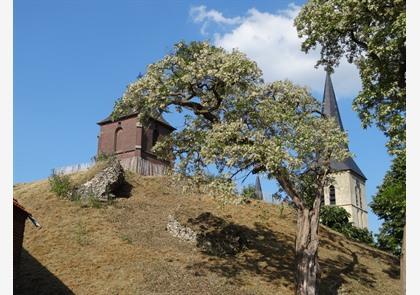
{"x": 332, "y": 195}
{"x": 155, "y": 136}
{"x": 322, "y": 201}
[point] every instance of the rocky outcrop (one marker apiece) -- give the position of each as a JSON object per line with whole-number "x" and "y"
{"x": 177, "y": 230}
{"x": 211, "y": 234}
{"x": 104, "y": 184}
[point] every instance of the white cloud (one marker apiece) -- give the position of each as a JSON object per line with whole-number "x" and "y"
{"x": 200, "y": 14}
{"x": 271, "y": 40}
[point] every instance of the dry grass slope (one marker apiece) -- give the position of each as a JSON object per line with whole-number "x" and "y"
{"x": 123, "y": 248}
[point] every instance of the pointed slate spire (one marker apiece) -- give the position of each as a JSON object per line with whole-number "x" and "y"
{"x": 329, "y": 102}
{"x": 330, "y": 109}
{"x": 258, "y": 190}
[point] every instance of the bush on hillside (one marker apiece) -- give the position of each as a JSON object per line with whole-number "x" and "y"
{"x": 103, "y": 157}
{"x": 337, "y": 218}
{"x": 60, "y": 185}
{"x": 249, "y": 192}
{"x": 362, "y": 235}
{"x": 334, "y": 217}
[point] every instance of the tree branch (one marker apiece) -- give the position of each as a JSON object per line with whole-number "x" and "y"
{"x": 288, "y": 187}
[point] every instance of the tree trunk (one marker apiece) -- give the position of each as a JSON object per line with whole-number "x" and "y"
{"x": 307, "y": 266}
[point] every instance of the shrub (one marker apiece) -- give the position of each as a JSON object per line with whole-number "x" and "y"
{"x": 249, "y": 192}
{"x": 103, "y": 157}
{"x": 334, "y": 217}
{"x": 61, "y": 185}
{"x": 362, "y": 235}
{"x": 337, "y": 218}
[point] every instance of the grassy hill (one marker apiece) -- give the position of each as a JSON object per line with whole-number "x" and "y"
{"x": 123, "y": 247}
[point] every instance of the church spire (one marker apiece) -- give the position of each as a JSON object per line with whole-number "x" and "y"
{"x": 330, "y": 109}
{"x": 329, "y": 103}
{"x": 258, "y": 190}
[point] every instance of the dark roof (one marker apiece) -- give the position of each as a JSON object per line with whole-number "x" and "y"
{"x": 25, "y": 212}
{"x": 348, "y": 164}
{"x": 329, "y": 103}
{"x": 19, "y": 206}
{"x": 330, "y": 109}
{"x": 132, "y": 114}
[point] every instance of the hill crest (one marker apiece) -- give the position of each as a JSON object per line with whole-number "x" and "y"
{"x": 124, "y": 247}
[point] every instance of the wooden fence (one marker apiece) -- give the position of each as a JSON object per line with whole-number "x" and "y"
{"x": 73, "y": 168}
{"x": 134, "y": 164}
{"x": 143, "y": 167}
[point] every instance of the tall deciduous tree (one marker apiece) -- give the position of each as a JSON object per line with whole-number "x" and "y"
{"x": 389, "y": 205}
{"x": 235, "y": 121}
{"x": 372, "y": 35}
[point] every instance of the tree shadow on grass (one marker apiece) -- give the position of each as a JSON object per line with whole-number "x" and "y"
{"x": 393, "y": 272}
{"x": 34, "y": 278}
{"x": 261, "y": 252}
{"x": 335, "y": 271}
{"x": 236, "y": 249}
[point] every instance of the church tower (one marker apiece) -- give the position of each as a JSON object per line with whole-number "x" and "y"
{"x": 348, "y": 189}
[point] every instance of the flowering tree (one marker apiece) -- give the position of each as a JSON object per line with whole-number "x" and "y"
{"x": 372, "y": 35}
{"x": 236, "y": 122}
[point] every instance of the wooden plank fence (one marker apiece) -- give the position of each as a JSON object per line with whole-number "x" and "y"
{"x": 143, "y": 167}
{"x": 134, "y": 164}
{"x": 73, "y": 168}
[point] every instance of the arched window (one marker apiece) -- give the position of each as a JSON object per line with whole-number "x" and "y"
{"x": 332, "y": 195}
{"x": 117, "y": 139}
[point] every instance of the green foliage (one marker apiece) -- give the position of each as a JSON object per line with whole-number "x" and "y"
{"x": 337, "y": 218}
{"x": 249, "y": 192}
{"x": 61, "y": 185}
{"x": 371, "y": 34}
{"x": 390, "y": 204}
{"x": 281, "y": 208}
{"x": 126, "y": 239}
{"x": 237, "y": 123}
{"x": 103, "y": 157}
{"x": 334, "y": 217}
{"x": 362, "y": 235}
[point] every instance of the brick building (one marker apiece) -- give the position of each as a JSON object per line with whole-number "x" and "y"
{"x": 132, "y": 143}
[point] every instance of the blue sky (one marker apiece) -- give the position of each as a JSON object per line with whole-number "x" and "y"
{"x": 72, "y": 59}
